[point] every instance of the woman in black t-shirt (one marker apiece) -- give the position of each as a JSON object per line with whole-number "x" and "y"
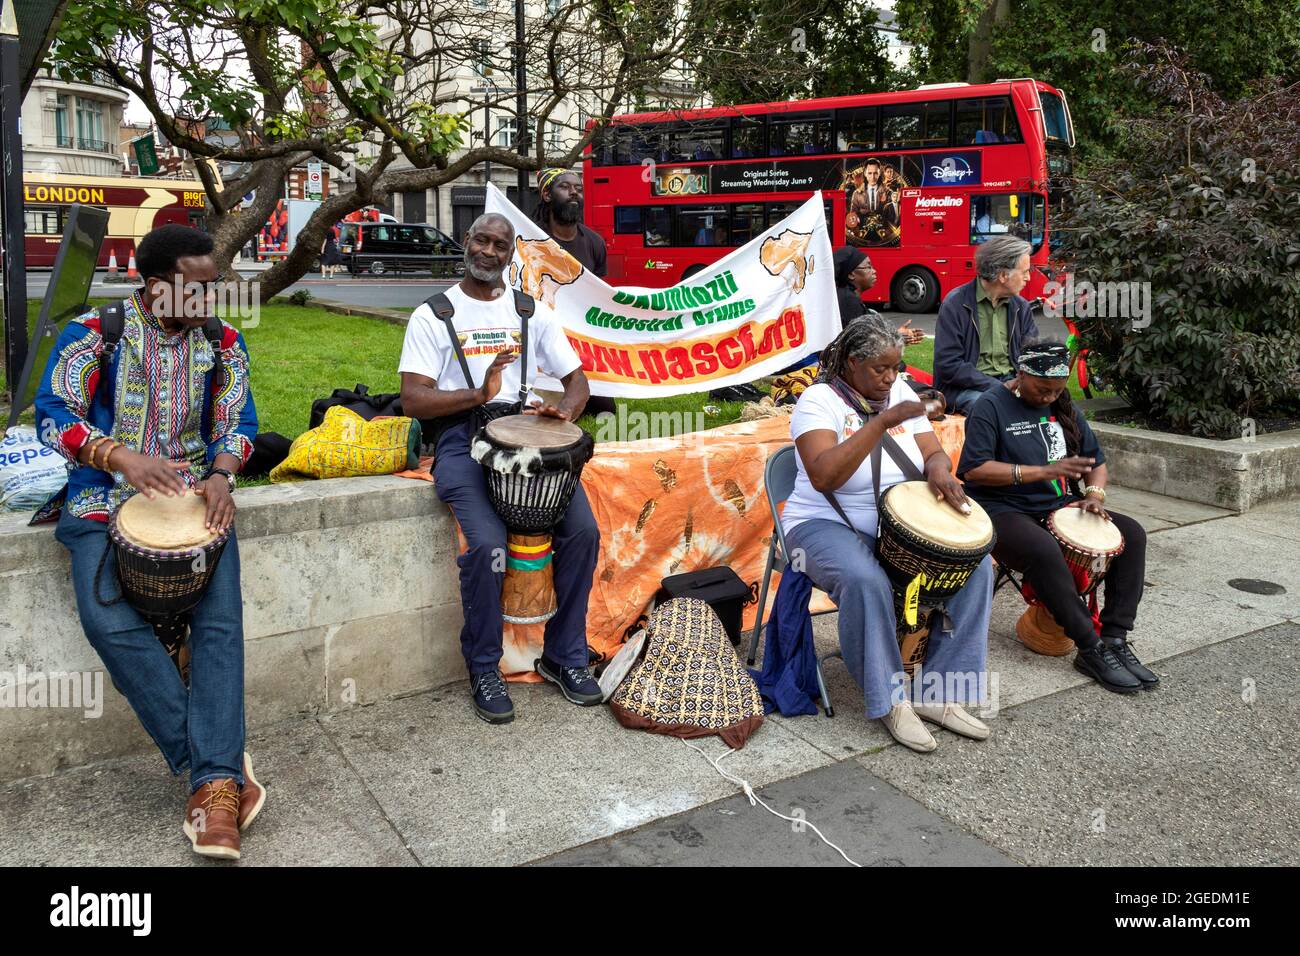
{"x": 1026, "y": 447}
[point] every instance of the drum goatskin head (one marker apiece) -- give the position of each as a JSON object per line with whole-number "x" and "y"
{"x": 915, "y": 507}
{"x": 165, "y": 524}
{"x": 533, "y": 431}
{"x": 1087, "y": 531}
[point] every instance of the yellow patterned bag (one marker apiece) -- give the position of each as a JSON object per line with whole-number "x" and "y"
{"x": 345, "y": 445}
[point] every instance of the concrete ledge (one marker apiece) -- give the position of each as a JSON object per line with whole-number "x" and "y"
{"x": 395, "y": 316}
{"x": 350, "y": 596}
{"x": 1237, "y": 474}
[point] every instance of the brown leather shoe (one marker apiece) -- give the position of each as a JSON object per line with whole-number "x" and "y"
{"x": 251, "y": 795}
{"x": 212, "y": 819}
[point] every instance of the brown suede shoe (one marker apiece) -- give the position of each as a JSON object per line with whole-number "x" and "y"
{"x": 211, "y": 819}
{"x": 251, "y": 795}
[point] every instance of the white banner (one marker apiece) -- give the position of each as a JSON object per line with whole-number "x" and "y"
{"x": 752, "y": 313}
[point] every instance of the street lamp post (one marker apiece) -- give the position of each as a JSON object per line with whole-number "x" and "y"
{"x": 521, "y": 100}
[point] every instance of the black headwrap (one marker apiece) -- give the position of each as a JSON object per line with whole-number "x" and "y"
{"x": 1046, "y": 360}
{"x": 846, "y": 258}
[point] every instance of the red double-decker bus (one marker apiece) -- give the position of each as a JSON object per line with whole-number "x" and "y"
{"x": 917, "y": 179}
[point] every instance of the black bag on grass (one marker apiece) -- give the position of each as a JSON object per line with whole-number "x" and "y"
{"x": 358, "y": 400}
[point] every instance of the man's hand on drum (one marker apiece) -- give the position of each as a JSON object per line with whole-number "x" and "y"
{"x": 221, "y": 504}
{"x": 152, "y": 475}
{"x": 546, "y": 410}
{"x": 492, "y": 380}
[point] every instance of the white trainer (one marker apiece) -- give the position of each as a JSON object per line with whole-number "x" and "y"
{"x": 953, "y": 717}
{"x": 903, "y": 726}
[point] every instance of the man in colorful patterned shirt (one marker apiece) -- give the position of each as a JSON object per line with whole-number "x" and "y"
{"x": 173, "y": 423}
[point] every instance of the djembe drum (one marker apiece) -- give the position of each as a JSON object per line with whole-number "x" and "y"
{"x": 929, "y": 550}
{"x": 166, "y": 556}
{"x": 1090, "y": 544}
{"x": 532, "y": 464}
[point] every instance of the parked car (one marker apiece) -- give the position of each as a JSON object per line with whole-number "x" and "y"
{"x": 380, "y": 248}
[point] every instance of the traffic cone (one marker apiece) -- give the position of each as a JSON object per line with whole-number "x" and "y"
{"x": 112, "y": 266}
{"x": 131, "y": 272}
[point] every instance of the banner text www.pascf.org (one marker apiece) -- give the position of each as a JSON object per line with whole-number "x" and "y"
{"x": 692, "y": 358}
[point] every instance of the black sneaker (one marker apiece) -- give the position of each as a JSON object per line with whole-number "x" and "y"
{"x": 575, "y": 683}
{"x": 491, "y": 699}
{"x": 1102, "y": 665}
{"x": 1124, "y": 651}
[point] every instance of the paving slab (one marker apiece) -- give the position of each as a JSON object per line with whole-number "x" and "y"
{"x": 1202, "y": 771}
{"x": 870, "y": 820}
{"x": 1158, "y": 512}
{"x": 463, "y": 792}
{"x": 128, "y": 812}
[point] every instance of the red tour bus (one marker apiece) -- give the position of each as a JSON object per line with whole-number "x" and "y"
{"x": 135, "y": 205}
{"x": 917, "y": 179}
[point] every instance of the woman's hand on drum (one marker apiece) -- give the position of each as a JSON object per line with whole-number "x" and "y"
{"x": 1091, "y": 505}
{"x": 151, "y": 475}
{"x": 943, "y": 484}
{"x": 492, "y": 380}
{"x": 221, "y": 503}
{"x": 546, "y": 411}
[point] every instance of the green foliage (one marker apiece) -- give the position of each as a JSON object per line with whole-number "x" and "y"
{"x": 301, "y": 297}
{"x": 1203, "y": 202}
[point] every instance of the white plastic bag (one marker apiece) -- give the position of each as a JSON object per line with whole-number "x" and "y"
{"x": 29, "y": 472}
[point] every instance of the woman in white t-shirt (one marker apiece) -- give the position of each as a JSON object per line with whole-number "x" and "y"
{"x": 836, "y": 425}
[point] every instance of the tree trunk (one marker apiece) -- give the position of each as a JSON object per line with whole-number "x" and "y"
{"x": 980, "y": 47}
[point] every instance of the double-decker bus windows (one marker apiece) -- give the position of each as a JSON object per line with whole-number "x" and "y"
{"x": 658, "y": 226}
{"x": 748, "y": 137}
{"x": 857, "y": 130}
{"x": 701, "y": 226}
{"x": 746, "y": 222}
{"x": 1020, "y": 214}
{"x": 694, "y": 143}
{"x": 799, "y": 134}
{"x": 915, "y": 125}
{"x": 627, "y": 219}
{"x": 990, "y": 119}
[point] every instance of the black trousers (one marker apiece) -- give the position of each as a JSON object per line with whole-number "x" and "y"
{"x": 1025, "y": 545}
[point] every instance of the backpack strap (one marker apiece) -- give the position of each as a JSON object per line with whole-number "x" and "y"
{"x": 444, "y": 310}
{"x": 213, "y": 332}
{"x": 112, "y": 324}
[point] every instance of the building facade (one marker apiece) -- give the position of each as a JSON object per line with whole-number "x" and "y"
{"x": 73, "y": 127}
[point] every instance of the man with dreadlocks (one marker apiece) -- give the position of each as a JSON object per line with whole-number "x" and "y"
{"x": 559, "y": 212}
{"x": 1026, "y": 447}
{"x": 831, "y": 521}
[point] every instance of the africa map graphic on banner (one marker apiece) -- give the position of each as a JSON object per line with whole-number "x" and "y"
{"x": 752, "y": 313}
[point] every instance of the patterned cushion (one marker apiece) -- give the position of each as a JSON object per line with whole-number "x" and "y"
{"x": 691, "y": 682}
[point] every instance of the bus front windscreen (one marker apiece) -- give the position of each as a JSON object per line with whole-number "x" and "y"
{"x": 1056, "y": 119}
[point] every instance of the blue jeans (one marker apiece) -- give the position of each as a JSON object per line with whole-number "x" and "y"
{"x": 201, "y": 728}
{"x": 844, "y": 567}
{"x": 969, "y": 396}
{"x": 458, "y": 479}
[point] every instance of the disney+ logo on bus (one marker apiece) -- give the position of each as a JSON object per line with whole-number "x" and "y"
{"x": 952, "y": 169}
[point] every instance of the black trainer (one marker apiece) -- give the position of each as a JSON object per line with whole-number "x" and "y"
{"x": 1102, "y": 665}
{"x": 491, "y": 699}
{"x": 575, "y": 683}
{"x": 1124, "y": 651}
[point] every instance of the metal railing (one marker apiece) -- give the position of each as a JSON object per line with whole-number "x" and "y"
{"x": 91, "y": 145}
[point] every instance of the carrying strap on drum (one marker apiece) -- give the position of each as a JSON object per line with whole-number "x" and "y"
{"x": 524, "y": 308}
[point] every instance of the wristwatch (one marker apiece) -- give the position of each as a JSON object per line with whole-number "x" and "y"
{"x": 230, "y": 477}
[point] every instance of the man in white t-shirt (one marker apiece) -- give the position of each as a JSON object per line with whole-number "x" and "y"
{"x": 488, "y": 329}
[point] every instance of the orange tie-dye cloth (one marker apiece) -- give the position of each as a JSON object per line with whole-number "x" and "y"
{"x": 671, "y": 505}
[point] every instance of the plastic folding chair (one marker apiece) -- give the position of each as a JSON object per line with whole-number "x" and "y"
{"x": 778, "y": 481}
